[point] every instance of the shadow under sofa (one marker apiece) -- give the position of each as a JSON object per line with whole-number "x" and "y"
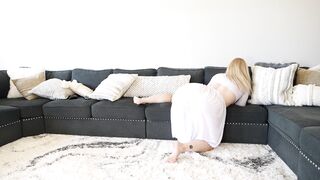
{"x": 122, "y": 118}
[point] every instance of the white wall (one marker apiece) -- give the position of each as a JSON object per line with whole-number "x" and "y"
{"x": 97, "y": 34}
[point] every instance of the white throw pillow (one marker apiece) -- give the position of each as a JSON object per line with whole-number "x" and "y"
{"x": 151, "y": 85}
{"x": 52, "y": 89}
{"x": 78, "y": 88}
{"x": 272, "y": 86}
{"x": 315, "y": 68}
{"x": 308, "y": 95}
{"x": 113, "y": 87}
{"x": 19, "y": 73}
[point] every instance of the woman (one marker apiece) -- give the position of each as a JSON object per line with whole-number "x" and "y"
{"x": 198, "y": 111}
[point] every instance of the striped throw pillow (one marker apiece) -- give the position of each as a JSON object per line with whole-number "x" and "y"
{"x": 272, "y": 86}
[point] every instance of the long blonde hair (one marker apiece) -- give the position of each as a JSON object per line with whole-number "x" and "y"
{"x": 238, "y": 73}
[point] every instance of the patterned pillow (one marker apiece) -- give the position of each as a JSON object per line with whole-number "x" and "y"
{"x": 151, "y": 85}
{"x": 52, "y": 89}
{"x": 272, "y": 86}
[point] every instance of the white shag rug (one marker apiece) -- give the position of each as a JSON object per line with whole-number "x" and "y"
{"x": 51, "y": 156}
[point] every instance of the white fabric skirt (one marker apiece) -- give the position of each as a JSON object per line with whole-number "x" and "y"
{"x": 198, "y": 112}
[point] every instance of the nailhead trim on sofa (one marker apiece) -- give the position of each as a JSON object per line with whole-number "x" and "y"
{"x": 305, "y": 156}
{"x": 31, "y": 119}
{"x": 95, "y": 119}
{"x": 9, "y": 124}
{"x": 247, "y": 124}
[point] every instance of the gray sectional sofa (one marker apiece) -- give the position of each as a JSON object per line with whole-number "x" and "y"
{"x": 292, "y": 132}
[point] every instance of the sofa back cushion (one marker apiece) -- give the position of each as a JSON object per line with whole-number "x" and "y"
{"x": 90, "y": 78}
{"x": 196, "y": 74}
{"x": 4, "y": 84}
{"x": 63, "y": 75}
{"x": 140, "y": 72}
{"x": 210, "y": 71}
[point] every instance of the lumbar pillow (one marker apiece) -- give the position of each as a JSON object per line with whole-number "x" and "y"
{"x": 18, "y": 73}
{"x": 272, "y": 86}
{"x": 52, "y": 89}
{"x": 151, "y": 85}
{"x": 24, "y": 85}
{"x": 308, "y": 95}
{"x": 315, "y": 68}
{"x": 78, "y": 88}
{"x": 307, "y": 76}
{"x": 113, "y": 87}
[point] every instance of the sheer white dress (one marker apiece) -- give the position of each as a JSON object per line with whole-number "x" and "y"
{"x": 198, "y": 111}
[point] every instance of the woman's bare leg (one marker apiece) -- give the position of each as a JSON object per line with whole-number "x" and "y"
{"x": 195, "y": 146}
{"x": 159, "y": 98}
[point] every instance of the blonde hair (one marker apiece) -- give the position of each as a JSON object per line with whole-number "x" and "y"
{"x": 238, "y": 73}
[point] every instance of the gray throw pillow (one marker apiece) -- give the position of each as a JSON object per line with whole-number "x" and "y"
{"x": 274, "y": 65}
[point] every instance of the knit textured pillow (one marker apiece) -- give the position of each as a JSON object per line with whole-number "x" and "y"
{"x": 272, "y": 86}
{"x": 152, "y": 85}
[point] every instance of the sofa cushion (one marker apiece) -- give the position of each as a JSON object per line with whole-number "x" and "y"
{"x": 75, "y": 108}
{"x": 291, "y": 120}
{"x": 158, "y": 112}
{"x": 123, "y": 108}
{"x": 28, "y": 108}
{"x": 210, "y": 71}
{"x": 235, "y": 114}
{"x": 196, "y": 74}
{"x": 10, "y": 126}
{"x": 310, "y": 143}
{"x": 5, "y": 85}
{"x": 63, "y": 75}
{"x": 8, "y": 115}
{"x": 90, "y": 78}
{"x": 140, "y": 72}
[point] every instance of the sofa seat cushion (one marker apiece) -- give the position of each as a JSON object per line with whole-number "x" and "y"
{"x": 28, "y": 108}
{"x": 235, "y": 114}
{"x": 123, "y": 108}
{"x": 291, "y": 120}
{"x": 74, "y": 108}
{"x": 10, "y": 126}
{"x": 158, "y": 112}
{"x": 310, "y": 143}
{"x": 8, "y": 115}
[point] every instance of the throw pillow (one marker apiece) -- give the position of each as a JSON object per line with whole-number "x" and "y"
{"x": 306, "y": 76}
{"x": 80, "y": 89}
{"x": 18, "y": 73}
{"x": 13, "y": 91}
{"x": 272, "y": 86}
{"x": 274, "y": 65}
{"x": 315, "y": 68}
{"x": 24, "y": 85}
{"x": 52, "y": 89}
{"x": 151, "y": 85}
{"x": 308, "y": 95}
{"x": 113, "y": 87}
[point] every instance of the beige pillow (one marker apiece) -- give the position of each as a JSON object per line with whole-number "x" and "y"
{"x": 13, "y": 91}
{"x": 24, "y": 85}
{"x": 80, "y": 89}
{"x": 113, "y": 87}
{"x": 306, "y": 77}
{"x": 18, "y": 73}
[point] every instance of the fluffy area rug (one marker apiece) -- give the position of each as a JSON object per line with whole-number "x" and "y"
{"x": 51, "y": 156}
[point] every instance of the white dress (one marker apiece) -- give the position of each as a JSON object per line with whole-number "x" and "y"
{"x": 198, "y": 111}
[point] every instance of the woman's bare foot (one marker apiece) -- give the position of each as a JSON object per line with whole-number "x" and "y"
{"x": 179, "y": 148}
{"x": 137, "y": 100}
